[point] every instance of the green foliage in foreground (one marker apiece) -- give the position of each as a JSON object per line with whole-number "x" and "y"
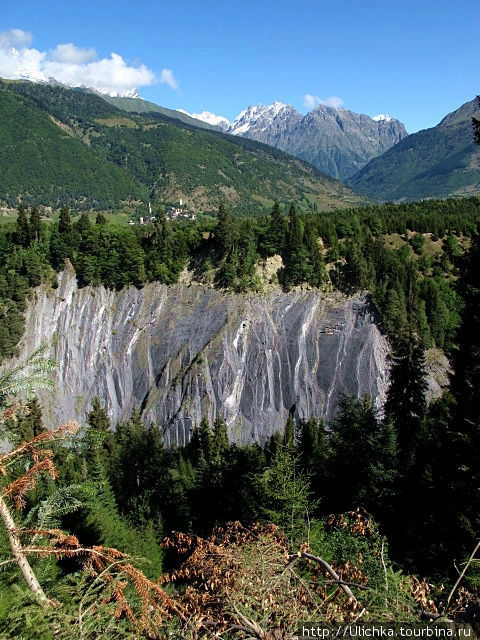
{"x": 123, "y": 488}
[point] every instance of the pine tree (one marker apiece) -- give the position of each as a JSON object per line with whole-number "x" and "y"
{"x": 464, "y": 424}
{"x": 65, "y": 223}
{"x": 128, "y": 467}
{"x": 227, "y": 275}
{"x": 316, "y": 272}
{"x": 289, "y": 434}
{"x": 312, "y": 445}
{"x": 286, "y": 495}
{"x": 206, "y": 439}
{"x": 406, "y": 401}
{"x": 99, "y": 438}
{"x": 200, "y": 446}
{"x": 22, "y": 230}
{"x": 33, "y": 267}
{"x": 364, "y": 458}
{"x": 220, "y": 442}
{"x": 84, "y": 225}
{"x": 466, "y": 380}
{"x": 247, "y": 248}
{"x": 276, "y": 231}
{"x": 35, "y": 224}
{"x": 35, "y": 417}
{"x": 98, "y": 418}
{"x": 162, "y": 239}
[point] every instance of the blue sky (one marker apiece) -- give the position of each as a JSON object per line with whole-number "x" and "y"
{"x": 416, "y": 61}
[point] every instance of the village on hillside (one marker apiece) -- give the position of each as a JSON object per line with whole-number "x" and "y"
{"x": 172, "y": 211}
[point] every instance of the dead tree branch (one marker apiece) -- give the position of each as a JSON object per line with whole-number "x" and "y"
{"x": 336, "y": 578}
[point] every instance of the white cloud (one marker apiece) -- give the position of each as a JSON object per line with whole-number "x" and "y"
{"x": 69, "y": 53}
{"x": 14, "y": 38}
{"x": 314, "y": 101}
{"x": 20, "y": 63}
{"x": 75, "y": 66}
{"x": 167, "y": 77}
{"x": 108, "y": 75}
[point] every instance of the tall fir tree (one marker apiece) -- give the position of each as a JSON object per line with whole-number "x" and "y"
{"x": 30, "y": 425}
{"x": 22, "y": 228}
{"x": 364, "y": 459}
{"x": 406, "y": 400}
{"x": 276, "y": 231}
{"x": 65, "y": 223}
{"x": 84, "y": 226}
{"x": 286, "y": 495}
{"x": 312, "y": 444}
{"x": 316, "y": 272}
{"x": 220, "y": 442}
{"x": 99, "y": 437}
{"x": 35, "y": 224}
{"x": 289, "y": 434}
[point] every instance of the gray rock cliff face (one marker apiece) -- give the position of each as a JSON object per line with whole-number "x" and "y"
{"x": 180, "y": 352}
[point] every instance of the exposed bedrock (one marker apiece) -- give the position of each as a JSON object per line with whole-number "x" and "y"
{"x": 180, "y": 352}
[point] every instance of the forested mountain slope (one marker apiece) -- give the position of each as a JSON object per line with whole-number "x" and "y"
{"x": 43, "y": 161}
{"x": 433, "y": 163}
{"x": 138, "y": 105}
{"x": 128, "y": 156}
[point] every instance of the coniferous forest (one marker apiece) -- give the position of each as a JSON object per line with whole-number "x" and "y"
{"x": 108, "y": 533}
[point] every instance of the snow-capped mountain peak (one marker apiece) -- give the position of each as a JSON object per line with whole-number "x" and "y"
{"x": 258, "y": 116}
{"x": 382, "y": 117}
{"x": 209, "y": 118}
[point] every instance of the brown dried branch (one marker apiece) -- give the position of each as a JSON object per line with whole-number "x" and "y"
{"x": 19, "y": 487}
{"x": 30, "y": 447}
{"x": 336, "y": 578}
{"x": 154, "y": 604}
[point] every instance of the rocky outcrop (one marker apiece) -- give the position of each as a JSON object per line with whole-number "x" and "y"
{"x": 180, "y": 352}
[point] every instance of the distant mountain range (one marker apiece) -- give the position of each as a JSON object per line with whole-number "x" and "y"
{"x": 71, "y": 146}
{"x": 433, "y": 163}
{"x": 336, "y": 141}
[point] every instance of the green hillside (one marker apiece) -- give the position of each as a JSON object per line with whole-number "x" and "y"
{"x": 138, "y": 105}
{"x": 71, "y": 146}
{"x": 46, "y": 164}
{"x": 434, "y": 163}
